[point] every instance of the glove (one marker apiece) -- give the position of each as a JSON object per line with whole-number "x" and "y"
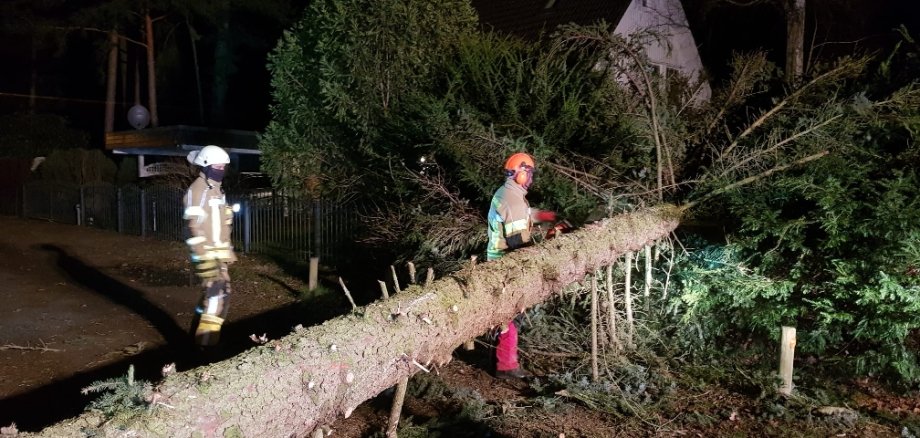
{"x": 207, "y": 269}
{"x": 545, "y": 216}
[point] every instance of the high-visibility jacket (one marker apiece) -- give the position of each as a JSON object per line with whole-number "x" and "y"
{"x": 510, "y": 219}
{"x": 210, "y": 221}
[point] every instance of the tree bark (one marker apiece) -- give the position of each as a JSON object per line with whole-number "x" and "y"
{"x": 193, "y": 40}
{"x": 795, "y": 39}
{"x": 33, "y": 78}
{"x": 123, "y": 73}
{"x": 223, "y": 65}
{"x": 305, "y": 380}
{"x": 151, "y": 72}
{"x": 137, "y": 83}
{"x": 111, "y": 79}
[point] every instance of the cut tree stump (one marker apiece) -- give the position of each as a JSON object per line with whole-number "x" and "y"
{"x": 313, "y": 376}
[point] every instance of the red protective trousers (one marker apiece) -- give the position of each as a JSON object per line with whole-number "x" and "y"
{"x": 506, "y": 352}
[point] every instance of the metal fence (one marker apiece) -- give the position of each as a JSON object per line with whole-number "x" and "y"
{"x": 268, "y": 222}
{"x": 305, "y": 228}
{"x": 11, "y": 201}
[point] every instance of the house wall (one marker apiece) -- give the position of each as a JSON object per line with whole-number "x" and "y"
{"x": 675, "y": 47}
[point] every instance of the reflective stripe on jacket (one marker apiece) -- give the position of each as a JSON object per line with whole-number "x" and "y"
{"x": 210, "y": 220}
{"x": 509, "y": 220}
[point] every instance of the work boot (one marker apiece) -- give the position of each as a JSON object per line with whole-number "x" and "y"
{"x": 517, "y": 373}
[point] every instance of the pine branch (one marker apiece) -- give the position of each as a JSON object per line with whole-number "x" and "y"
{"x": 751, "y": 179}
{"x": 781, "y": 143}
{"x": 786, "y": 101}
{"x": 27, "y": 348}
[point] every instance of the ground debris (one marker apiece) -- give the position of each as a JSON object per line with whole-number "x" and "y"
{"x": 845, "y": 416}
{"x": 10, "y": 430}
{"x": 29, "y": 348}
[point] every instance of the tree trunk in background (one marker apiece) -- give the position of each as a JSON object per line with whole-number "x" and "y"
{"x": 33, "y": 79}
{"x": 290, "y": 386}
{"x": 137, "y": 82}
{"x": 151, "y": 71}
{"x": 795, "y": 39}
{"x": 223, "y": 66}
{"x": 111, "y": 80}
{"x": 193, "y": 41}
{"x": 123, "y": 72}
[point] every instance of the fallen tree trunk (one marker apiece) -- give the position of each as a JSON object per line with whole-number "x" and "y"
{"x": 293, "y": 385}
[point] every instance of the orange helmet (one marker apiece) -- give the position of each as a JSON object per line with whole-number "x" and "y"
{"x": 517, "y": 163}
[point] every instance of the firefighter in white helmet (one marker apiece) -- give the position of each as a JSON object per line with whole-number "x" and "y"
{"x": 210, "y": 220}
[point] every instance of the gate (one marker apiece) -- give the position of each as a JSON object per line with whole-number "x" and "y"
{"x": 98, "y": 206}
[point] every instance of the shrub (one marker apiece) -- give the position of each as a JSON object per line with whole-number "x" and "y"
{"x": 31, "y": 135}
{"x": 78, "y": 166}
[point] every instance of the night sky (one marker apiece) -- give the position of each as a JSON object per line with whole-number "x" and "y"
{"x": 70, "y": 79}
{"x": 833, "y": 28}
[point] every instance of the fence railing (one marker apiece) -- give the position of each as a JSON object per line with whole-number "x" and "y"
{"x": 268, "y": 222}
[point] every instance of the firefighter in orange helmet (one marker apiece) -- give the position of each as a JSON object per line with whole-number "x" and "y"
{"x": 510, "y": 222}
{"x": 210, "y": 221}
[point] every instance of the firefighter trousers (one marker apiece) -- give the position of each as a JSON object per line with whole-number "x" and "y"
{"x": 506, "y": 352}
{"x": 212, "y": 309}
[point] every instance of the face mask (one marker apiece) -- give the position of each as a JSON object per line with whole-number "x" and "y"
{"x": 529, "y": 180}
{"x": 216, "y": 175}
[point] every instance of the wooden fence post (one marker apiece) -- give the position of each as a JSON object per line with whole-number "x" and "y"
{"x": 313, "y": 279}
{"x": 630, "y": 324}
{"x": 648, "y": 273}
{"x": 594, "y": 371}
{"x": 787, "y": 353}
{"x": 471, "y": 344}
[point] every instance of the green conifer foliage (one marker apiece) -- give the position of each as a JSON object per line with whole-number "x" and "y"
{"x": 830, "y": 248}
{"x": 341, "y": 76}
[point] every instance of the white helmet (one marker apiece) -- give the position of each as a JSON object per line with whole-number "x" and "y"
{"x": 208, "y": 155}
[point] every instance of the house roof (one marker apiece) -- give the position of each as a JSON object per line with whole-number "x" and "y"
{"x": 178, "y": 140}
{"x": 528, "y": 18}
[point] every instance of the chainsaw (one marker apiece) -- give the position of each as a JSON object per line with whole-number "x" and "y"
{"x": 559, "y": 227}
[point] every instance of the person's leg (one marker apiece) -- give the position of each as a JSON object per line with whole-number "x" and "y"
{"x": 212, "y": 310}
{"x": 506, "y": 352}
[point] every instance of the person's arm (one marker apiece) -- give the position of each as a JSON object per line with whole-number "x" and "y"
{"x": 224, "y": 251}
{"x": 516, "y": 227}
{"x": 494, "y": 221}
{"x": 514, "y": 240}
{"x": 546, "y": 216}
